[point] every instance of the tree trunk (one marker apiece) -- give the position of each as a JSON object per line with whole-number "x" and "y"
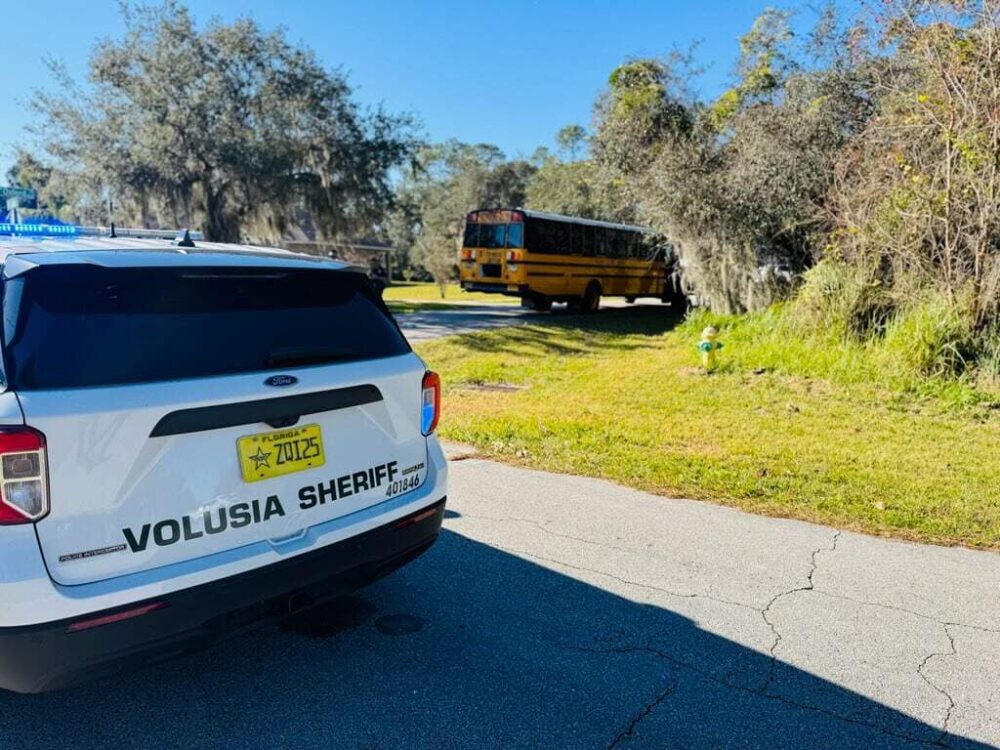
{"x": 219, "y": 225}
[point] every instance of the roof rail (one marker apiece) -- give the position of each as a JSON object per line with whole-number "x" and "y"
{"x": 138, "y": 234}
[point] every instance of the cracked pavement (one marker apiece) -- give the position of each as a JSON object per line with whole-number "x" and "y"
{"x": 564, "y": 612}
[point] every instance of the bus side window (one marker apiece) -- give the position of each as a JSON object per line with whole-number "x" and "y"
{"x": 546, "y": 236}
{"x": 577, "y": 230}
{"x": 617, "y": 244}
{"x": 600, "y": 241}
{"x": 563, "y": 238}
{"x": 531, "y": 240}
{"x": 588, "y": 239}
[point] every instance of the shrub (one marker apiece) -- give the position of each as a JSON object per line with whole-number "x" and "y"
{"x": 932, "y": 337}
{"x": 843, "y": 300}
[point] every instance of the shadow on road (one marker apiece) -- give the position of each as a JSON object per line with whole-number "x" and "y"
{"x": 471, "y": 647}
{"x": 561, "y": 333}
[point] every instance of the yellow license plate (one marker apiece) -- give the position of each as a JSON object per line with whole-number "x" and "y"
{"x": 272, "y": 454}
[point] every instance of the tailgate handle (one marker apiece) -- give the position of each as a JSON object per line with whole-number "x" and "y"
{"x": 265, "y": 410}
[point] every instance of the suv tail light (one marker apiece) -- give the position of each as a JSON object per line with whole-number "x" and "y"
{"x": 24, "y": 492}
{"x": 430, "y": 402}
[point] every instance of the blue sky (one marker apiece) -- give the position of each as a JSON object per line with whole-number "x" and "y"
{"x": 509, "y": 73}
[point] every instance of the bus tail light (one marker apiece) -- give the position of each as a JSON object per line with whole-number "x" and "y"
{"x": 430, "y": 402}
{"x": 514, "y": 256}
{"x": 24, "y": 491}
{"x": 467, "y": 254}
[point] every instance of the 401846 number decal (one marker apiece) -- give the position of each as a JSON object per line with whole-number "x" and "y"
{"x": 402, "y": 485}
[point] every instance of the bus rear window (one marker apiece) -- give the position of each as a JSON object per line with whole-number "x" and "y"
{"x": 493, "y": 235}
{"x": 515, "y": 235}
{"x": 74, "y": 326}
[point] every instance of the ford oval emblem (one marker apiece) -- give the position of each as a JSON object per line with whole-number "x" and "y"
{"x": 280, "y": 381}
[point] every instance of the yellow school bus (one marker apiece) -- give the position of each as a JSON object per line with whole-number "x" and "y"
{"x": 544, "y": 258}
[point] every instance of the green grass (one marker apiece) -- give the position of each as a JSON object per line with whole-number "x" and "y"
{"x": 413, "y": 293}
{"x": 901, "y": 363}
{"x": 787, "y": 428}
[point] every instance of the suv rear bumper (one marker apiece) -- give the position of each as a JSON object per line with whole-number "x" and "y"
{"x": 37, "y": 658}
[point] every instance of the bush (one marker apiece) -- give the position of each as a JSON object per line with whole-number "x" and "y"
{"x": 844, "y": 301}
{"x": 932, "y": 338}
{"x": 845, "y": 328}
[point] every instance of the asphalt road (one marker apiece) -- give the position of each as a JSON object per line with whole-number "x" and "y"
{"x": 560, "y": 612}
{"x": 432, "y": 324}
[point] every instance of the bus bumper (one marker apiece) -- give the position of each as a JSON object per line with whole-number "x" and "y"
{"x": 478, "y": 286}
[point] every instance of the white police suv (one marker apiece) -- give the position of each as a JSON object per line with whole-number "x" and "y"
{"x": 194, "y": 438}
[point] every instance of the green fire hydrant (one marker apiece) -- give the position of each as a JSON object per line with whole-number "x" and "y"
{"x": 709, "y": 346}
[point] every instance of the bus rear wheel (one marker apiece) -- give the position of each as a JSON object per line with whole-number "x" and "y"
{"x": 591, "y": 298}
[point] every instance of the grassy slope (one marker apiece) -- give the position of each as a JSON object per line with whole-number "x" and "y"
{"x": 619, "y": 395}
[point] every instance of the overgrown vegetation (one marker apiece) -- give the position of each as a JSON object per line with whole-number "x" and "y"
{"x": 737, "y": 182}
{"x": 872, "y": 147}
{"x": 808, "y": 428}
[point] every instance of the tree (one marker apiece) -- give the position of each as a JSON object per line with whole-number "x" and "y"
{"x": 226, "y": 126}
{"x": 576, "y": 186}
{"x": 447, "y": 181}
{"x": 739, "y": 185}
{"x": 917, "y": 195}
{"x": 571, "y": 139}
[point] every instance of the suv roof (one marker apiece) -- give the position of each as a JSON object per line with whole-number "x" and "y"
{"x": 123, "y": 252}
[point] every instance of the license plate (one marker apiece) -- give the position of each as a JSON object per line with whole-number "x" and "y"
{"x": 272, "y": 454}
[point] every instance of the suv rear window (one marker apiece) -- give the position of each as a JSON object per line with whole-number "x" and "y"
{"x": 73, "y": 326}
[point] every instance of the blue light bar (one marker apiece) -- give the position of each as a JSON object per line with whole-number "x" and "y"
{"x": 39, "y": 230}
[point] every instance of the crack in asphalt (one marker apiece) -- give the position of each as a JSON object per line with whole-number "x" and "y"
{"x": 629, "y": 731}
{"x": 812, "y": 588}
{"x": 951, "y": 701}
{"x": 809, "y": 586}
{"x": 542, "y": 527}
{"x": 681, "y": 664}
{"x": 904, "y": 610}
{"x": 627, "y": 582}
{"x": 545, "y": 528}
{"x": 764, "y": 689}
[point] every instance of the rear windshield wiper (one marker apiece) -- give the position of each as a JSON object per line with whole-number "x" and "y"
{"x": 308, "y": 356}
